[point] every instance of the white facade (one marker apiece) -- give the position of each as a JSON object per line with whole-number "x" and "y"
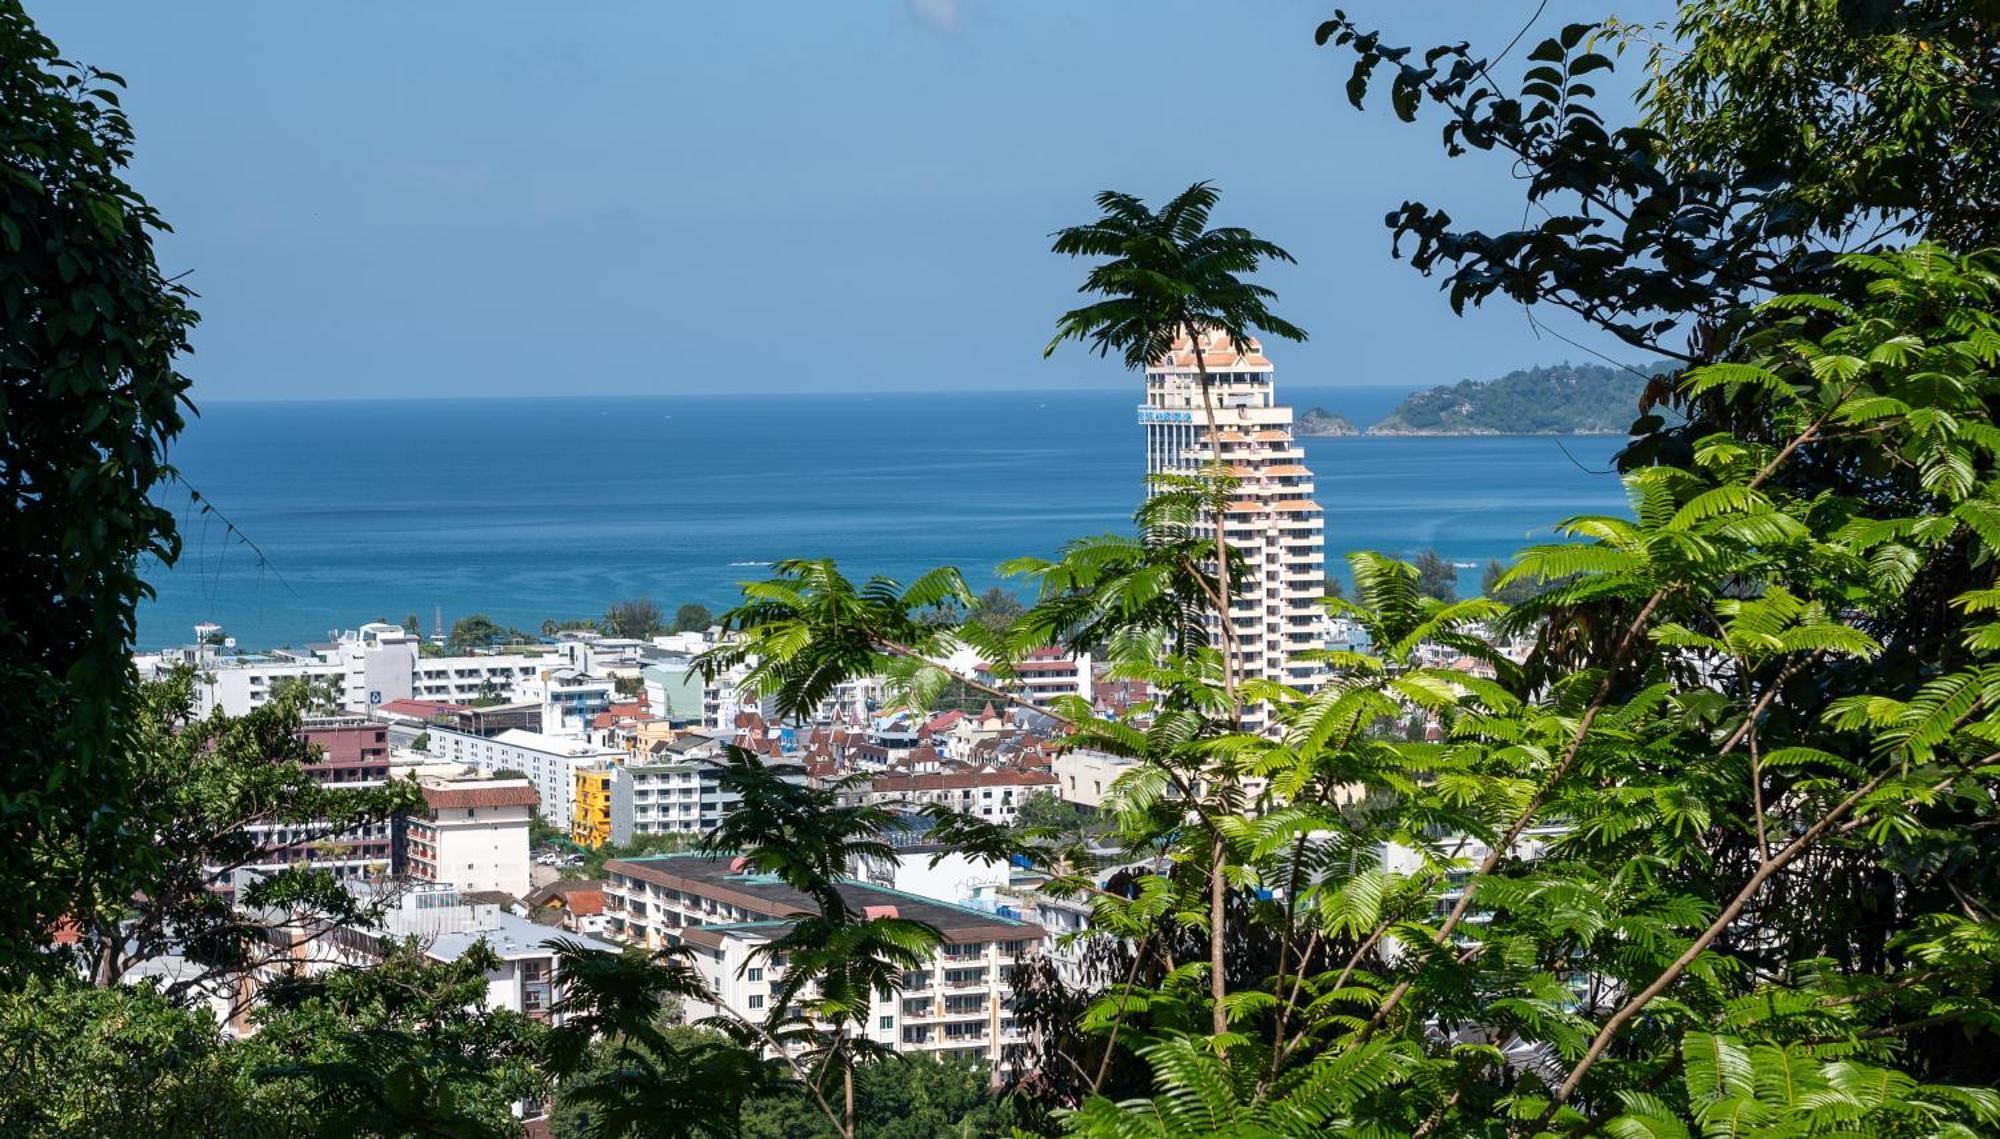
{"x": 1272, "y": 518}
{"x": 367, "y": 667}
{"x": 933, "y": 872}
{"x": 1085, "y": 777}
{"x": 474, "y": 837}
{"x": 994, "y": 796}
{"x": 959, "y": 1005}
{"x": 549, "y": 762}
{"x": 664, "y": 798}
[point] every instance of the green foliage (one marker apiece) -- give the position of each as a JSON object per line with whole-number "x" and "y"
{"x": 808, "y": 629}
{"x": 666, "y": 842}
{"x": 1047, "y": 811}
{"x": 836, "y": 962}
{"x": 405, "y": 1047}
{"x": 313, "y": 695}
{"x": 204, "y": 782}
{"x": 1493, "y": 584}
{"x": 1167, "y": 275}
{"x": 623, "y": 1070}
{"x": 1436, "y": 577}
{"x": 637, "y": 619}
{"x": 1709, "y": 862}
{"x": 908, "y": 1097}
{"x": 996, "y": 609}
{"x": 478, "y": 631}
{"x": 1562, "y": 399}
{"x": 90, "y": 332}
{"x": 550, "y": 627}
{"x": 1703, "y": 788}
{"x": 86, "y": 1062}
{"x": 692, "y": 617}
{"x": 1321, "y": 422}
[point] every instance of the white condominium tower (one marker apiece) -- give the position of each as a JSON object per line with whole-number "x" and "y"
{"x": 1272, "y": 520}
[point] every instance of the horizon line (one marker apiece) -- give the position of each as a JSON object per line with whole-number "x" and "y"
{"x": 201, "y": 402}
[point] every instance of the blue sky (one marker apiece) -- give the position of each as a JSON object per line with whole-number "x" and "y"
{"x": 384, "y": 198}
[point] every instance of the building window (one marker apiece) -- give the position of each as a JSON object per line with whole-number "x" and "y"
{"x": 757, "y": 1002}
{"x": 756, "y": 975}
{"x": 886, "y": 1023}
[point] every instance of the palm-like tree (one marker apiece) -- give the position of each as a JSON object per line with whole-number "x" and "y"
{"x": 808, "y": 629}
{"x": 836, "y": 960}
{"x": 1168, "y": 275}
{"x": 648, "y": 1084}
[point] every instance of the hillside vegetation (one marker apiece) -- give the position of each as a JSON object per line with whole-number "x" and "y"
{"x": 1561, "y": 399}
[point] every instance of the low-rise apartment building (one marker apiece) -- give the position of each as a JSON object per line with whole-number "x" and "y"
{"x": 473, "y": 835}
{"x": 993, "y": 795}
{"x": 958, "y": 1005}
{"x": 351, "y": 753}
{"x": 550, "y": 762}
{"x": 675, "y": 788}
{"x": 1042, "y": 676}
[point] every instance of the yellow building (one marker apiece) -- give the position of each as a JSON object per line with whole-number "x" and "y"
{"x": 590, "y": 821}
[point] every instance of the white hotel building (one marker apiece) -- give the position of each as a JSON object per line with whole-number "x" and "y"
{"x": 1272, "y": 519}
{"x": 549, "y": 762}
{"x": 378, "y": 663}
{"x": 958, "y": 1005}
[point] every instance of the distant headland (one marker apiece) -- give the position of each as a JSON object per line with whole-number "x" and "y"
{"x": 1558, "y": 399}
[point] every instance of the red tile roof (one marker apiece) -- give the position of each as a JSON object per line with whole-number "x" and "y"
{"x": 419, "y": 707}
{"x": 953, "y": 780}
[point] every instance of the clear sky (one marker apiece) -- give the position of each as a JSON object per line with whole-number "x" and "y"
{"x": 387, "y": 198}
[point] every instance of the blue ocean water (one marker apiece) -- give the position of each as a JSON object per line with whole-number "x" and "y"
{"x": 528, "y": 509}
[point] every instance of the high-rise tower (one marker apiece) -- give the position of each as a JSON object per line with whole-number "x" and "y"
{"x": 1271, "y": 520}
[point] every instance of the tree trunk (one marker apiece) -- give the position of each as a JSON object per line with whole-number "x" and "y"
{"x": 847, "y": 1093}
{"x": 1218, "y": 889}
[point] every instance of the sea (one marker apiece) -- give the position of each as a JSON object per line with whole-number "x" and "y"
{"x": 318, "y": 516}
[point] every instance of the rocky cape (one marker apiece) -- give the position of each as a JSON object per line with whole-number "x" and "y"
{"x": 1321, "y": 423}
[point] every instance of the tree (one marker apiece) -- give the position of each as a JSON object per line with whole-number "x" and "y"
{"x": 477, "y": 631}
{"x": 1673, "y": 922}
{"x": 624, "y": 1070}
{"x": 1436, "y": 577}
{"x": 637, "y": 619}
{"x": 422, "y": 742}
{"x": 85, "y": 1062}
{"x": 412, "y": 625}
{"x": 996, "y": 609}
{"x": 206, "y": 784}
{"x": 92, "y": 332}
{"x": 641, "y": 845}
{"x": 914, "y": 1096}
{"x": 1048, "y": 811}
{"x": 1168, "y": 275}
{"x": 408, "y": 1046}
{"x": 1512, "y": 593}
{"x": 836, "y": 960}
{"x": 692, "y": 617}
{"x": 312, "y": 695}
{"x": 551, "y": 627}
